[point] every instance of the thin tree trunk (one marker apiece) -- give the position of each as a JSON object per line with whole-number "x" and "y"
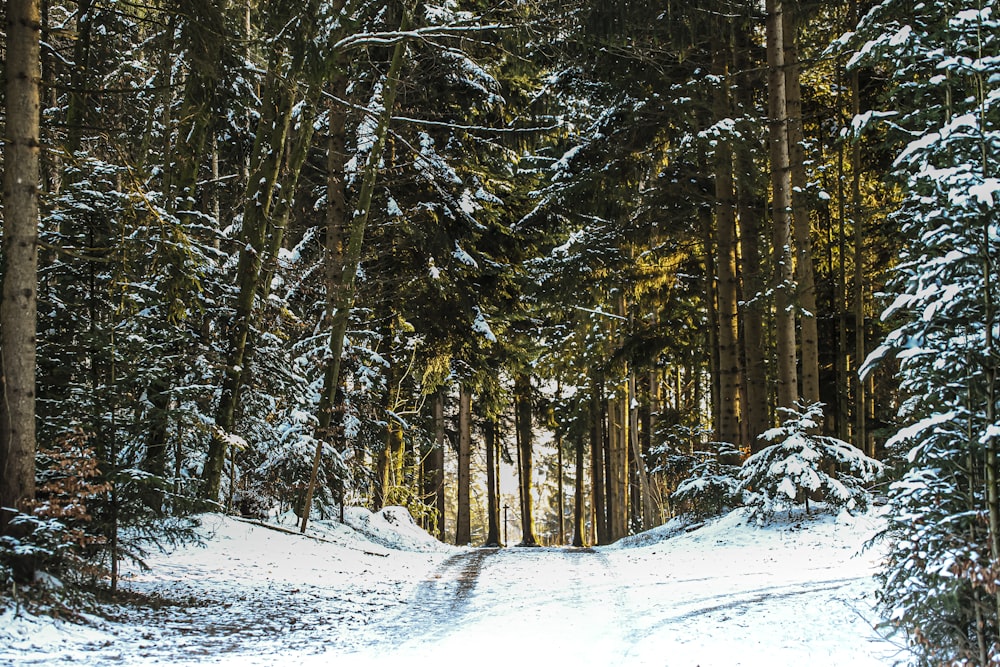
{"x": 18, "y": 310}
{"x": 712, "y": 322}
{"x": 579, "y": 522}
{"x": 843, "y": 354}
{"x": 599, "y": 501}
{"x": 751, "y": 214}
{"x": 784, "y": 302}
{"x": 725, "y": 227}
{"x": 492, "y": 484}
{"x": 618, "y": 467}
{"x": 560, "y": 503}
{"x": 860, "y": 407}
{"x": 435, "y": 468}
{"x": 805, "y": 275}
{"x": 463, "y": 522}
{"x": 522, "y": 392}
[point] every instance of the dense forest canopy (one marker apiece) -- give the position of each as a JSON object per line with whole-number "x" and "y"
{"x": 658, "y": 258}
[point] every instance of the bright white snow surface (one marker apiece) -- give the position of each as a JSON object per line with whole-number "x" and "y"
{"x": 381, "y": 592}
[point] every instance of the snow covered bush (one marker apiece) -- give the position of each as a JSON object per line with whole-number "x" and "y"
{"x": 801, "y": 465}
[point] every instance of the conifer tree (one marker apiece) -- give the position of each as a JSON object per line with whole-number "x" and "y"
{"x": 938, "y": 585}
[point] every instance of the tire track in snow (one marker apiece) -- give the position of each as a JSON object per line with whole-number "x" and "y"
{"x": 439, "y": 602}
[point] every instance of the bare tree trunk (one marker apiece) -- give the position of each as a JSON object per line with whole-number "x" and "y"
{"x": 751, "y": 214}
{"x": 784, "y": 302}
{"x": 434, "y": 471}
{"x": 522, "y": 393}
{"x": 579, "y": 522}
{"x": 560, "y": 502}
{"x": 492, "y": 484}
{"x": 712, "y": 321}
{"x": 860, "y": 401}
{"x": 463, "y": 525}
{"x": 599, "y": 501}
{"x": 725, "y": 229}
{"x": 18, "y": 310}
{"x": 618, "y": 467}
{"x": 805, "y": 275}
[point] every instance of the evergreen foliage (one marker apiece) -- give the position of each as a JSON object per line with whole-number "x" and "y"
{"x": 939, "y": 585}
{"x": 800, "y": 464}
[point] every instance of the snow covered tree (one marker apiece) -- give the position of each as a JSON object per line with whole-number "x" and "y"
{"x": 939, "y": 585}
{"x": 801, "y": 465}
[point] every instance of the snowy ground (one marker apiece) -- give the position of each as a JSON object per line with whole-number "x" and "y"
{"x": 727, "y": 594}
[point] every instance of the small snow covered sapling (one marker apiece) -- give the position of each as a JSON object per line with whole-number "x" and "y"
{"x": 801, "y": 464}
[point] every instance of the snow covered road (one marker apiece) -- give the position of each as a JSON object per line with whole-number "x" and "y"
{"x": 728, "y": 594}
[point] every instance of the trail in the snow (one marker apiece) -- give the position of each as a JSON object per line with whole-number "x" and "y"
{"x": 565, "y": 599}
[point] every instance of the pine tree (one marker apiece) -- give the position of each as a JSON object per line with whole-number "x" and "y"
{"x": 938, "y": 585}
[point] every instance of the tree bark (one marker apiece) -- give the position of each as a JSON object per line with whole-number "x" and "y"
{"x": 751, "y": 207}
{"x": 492, "y": 484}
{"x": 805, "y": 275}
{"x": 269, "y": 148}
{"x": 725, "y": 228}
{"x": 522, "y": 394}
{"x": 579, "y": 521}
{"x": 784, "y": 302}
{"x": 560, "y": 502}
{"x": 18, "y": 310}
{"x": 599, "y": 501}
{"x": 858, "y": 297}
{"x": 463, "y": 522}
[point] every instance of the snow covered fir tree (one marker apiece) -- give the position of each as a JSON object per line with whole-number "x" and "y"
{"x": 607, "y": 273}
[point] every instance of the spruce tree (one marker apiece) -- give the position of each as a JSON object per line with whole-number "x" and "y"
{"x": 939, "y": 582}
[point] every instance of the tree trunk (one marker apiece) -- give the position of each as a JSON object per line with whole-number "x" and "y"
{"x": 579, "y": 522}
{"x": 522, "y": 393}
{"x": 725, "y": 228}
{"x": 18, "y": 310}
{"x": 599, "y": 501}
{"x": 463, "y": 522}
{"x": 751, "y": 213}
{"x": 492, "y": 484}
{"x": 560, "y": 502}
{"x": 804, "y": 272}
{"x": 434, "y": 471}
{"x": 860, "y": 402}
{"x": 784, "y": 302}
{"x": 712, "y": 320}
{"x": 618, "y": 467}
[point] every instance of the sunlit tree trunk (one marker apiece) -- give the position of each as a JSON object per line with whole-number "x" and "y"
{"x": 804, "y": 272}
{"x": 434, "y": 467}
{"x": 18, "y": 310}
{"x": 784, "y": 302}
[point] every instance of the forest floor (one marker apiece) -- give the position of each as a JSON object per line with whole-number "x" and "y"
{"x": 381, "y": 592}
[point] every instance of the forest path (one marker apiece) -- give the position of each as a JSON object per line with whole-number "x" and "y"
{"x": 562, "y": 599}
